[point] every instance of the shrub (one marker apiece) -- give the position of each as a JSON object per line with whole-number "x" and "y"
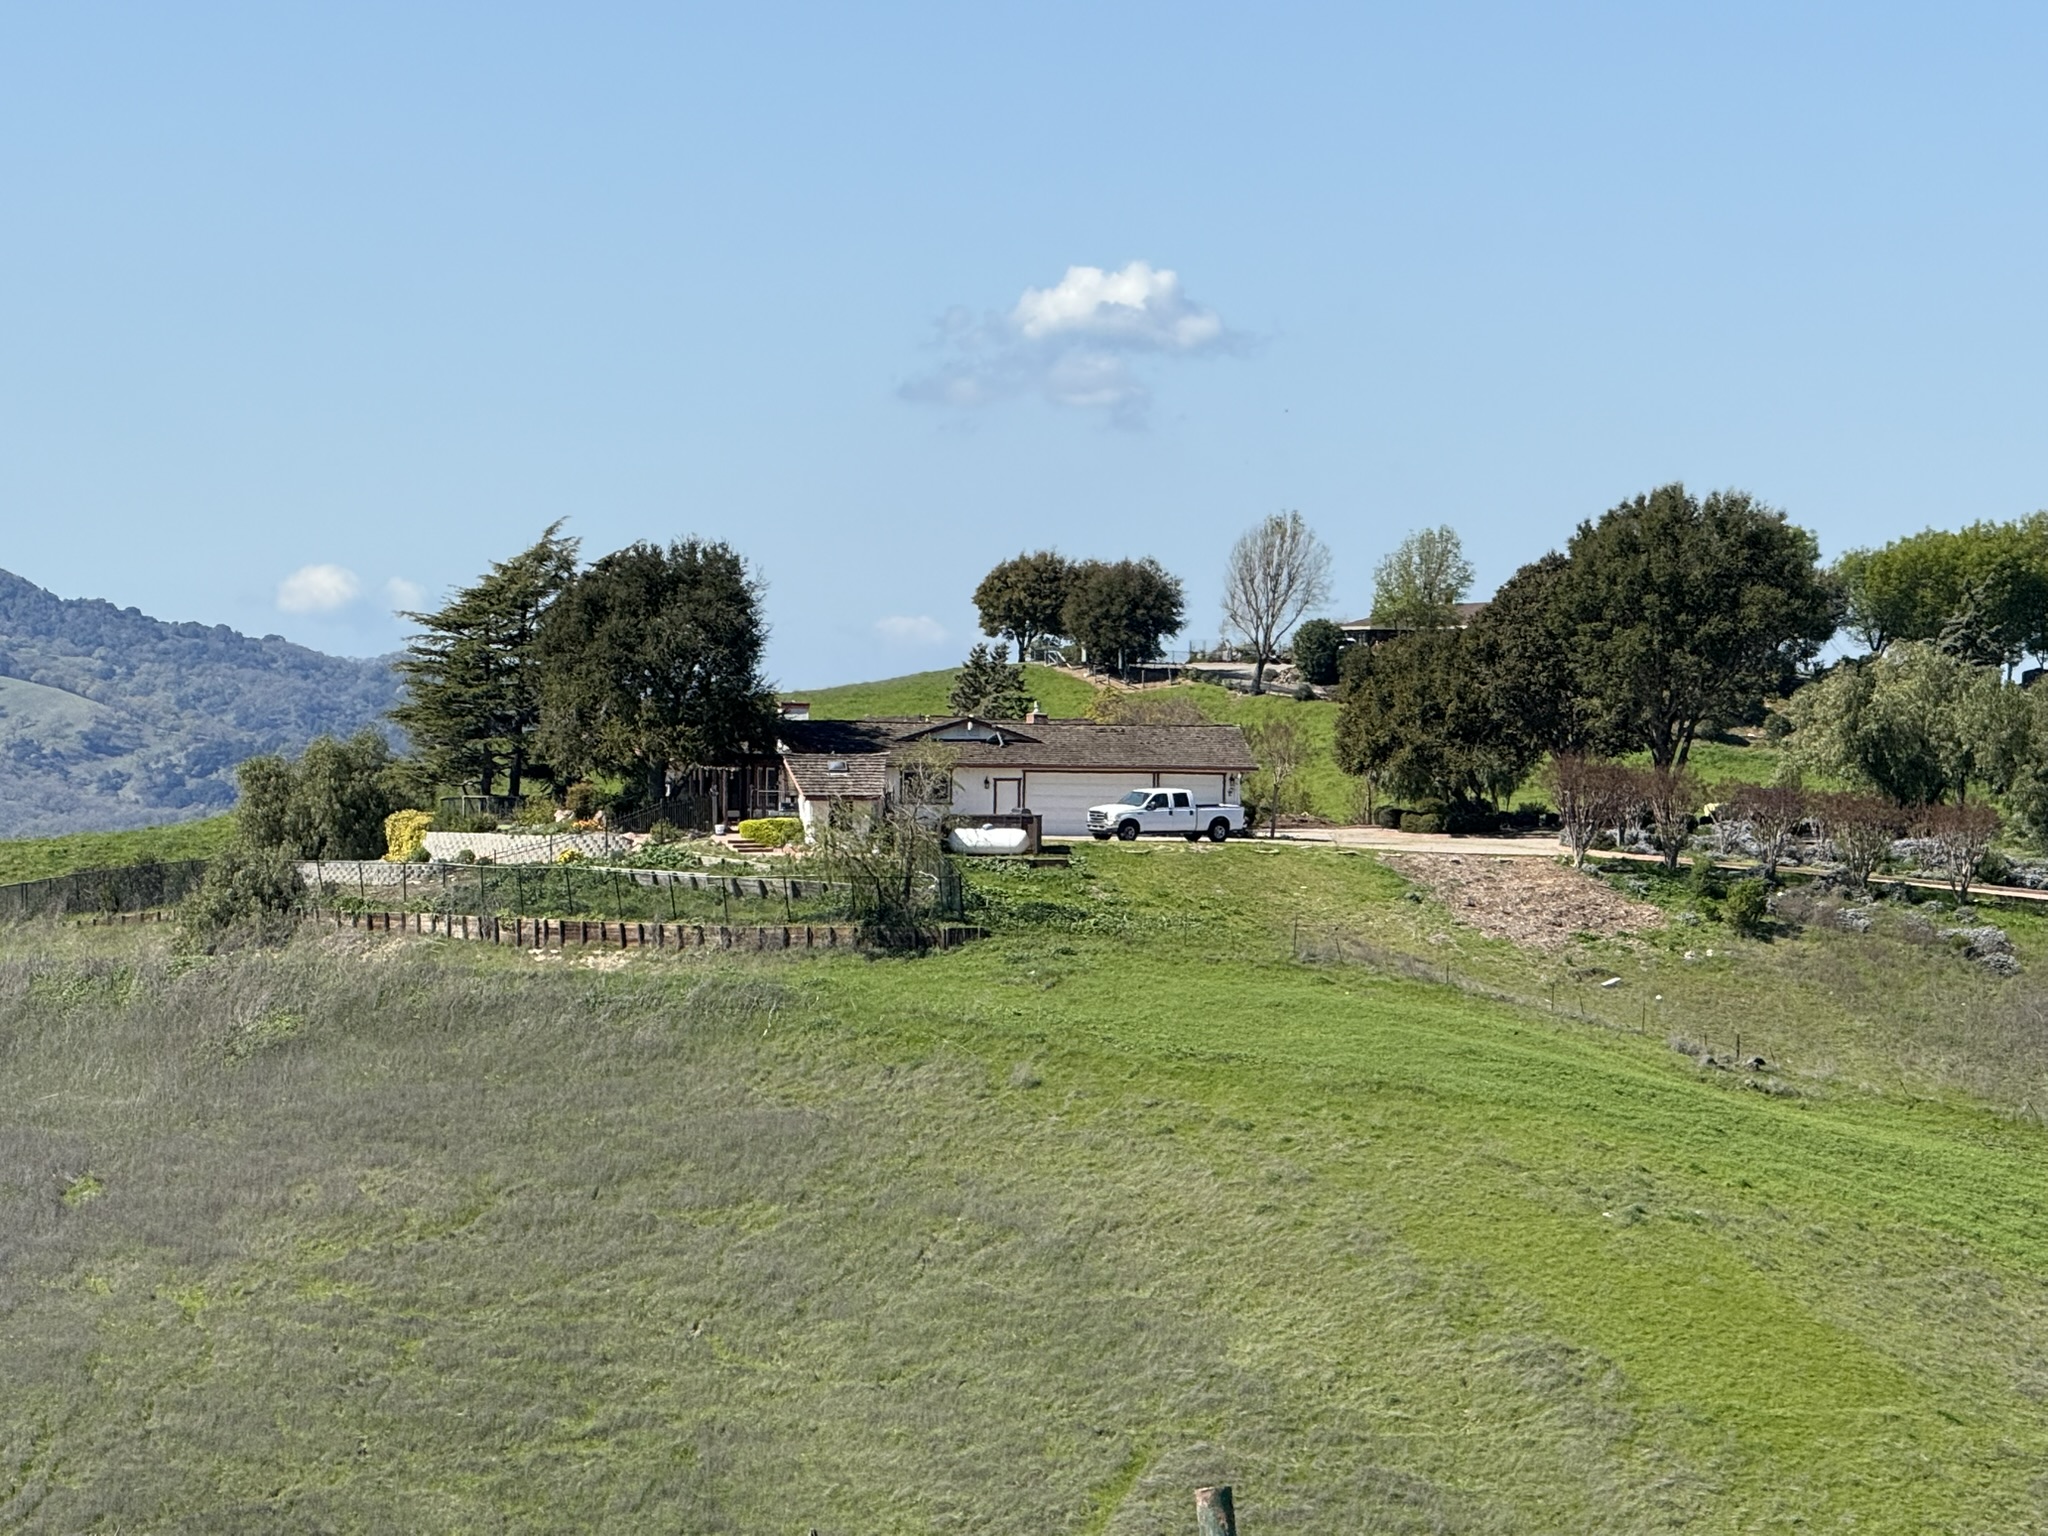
{"x": 1468, "y": 819}
{"x": 772, "y": 831}
{"x": 1421, "y": 821}
{"x": 663, "y": 833}
{"x": 249, "y": 896}
{"x": 1305, "y": 693}
{"x": 1317, "y": 645}
{"x": 462, "y": 821}
{"x": 1388, "y": 816}
{"x": 581, "y": 798}
{"x": 1747, "y": 905}
{"x": 569, "y": 856}
{"x": 405, "y": 834}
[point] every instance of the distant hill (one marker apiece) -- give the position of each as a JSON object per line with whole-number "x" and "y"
{"x": 112, "y": 719}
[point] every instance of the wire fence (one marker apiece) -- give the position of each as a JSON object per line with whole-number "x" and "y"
{"x": 1588, "y": 995}
{"x": 583, "y": 891}
{"x": 568, "y": 892}
{"x": 131, "y": 888}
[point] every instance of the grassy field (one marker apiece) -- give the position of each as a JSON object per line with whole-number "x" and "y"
{"x": 40, "y": 858}
{"x": 1033, "y": 1235}
{"x": 924, "y": 693}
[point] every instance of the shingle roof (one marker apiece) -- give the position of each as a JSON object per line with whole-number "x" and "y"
{"x": 1462, "y": 614}
{"x": 1078, "y": 744}
{"x": 858, "y": 775}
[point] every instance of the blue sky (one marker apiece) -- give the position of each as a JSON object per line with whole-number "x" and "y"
{"x": 381, "y": 291}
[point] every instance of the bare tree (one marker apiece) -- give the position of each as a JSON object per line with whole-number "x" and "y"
{"x": 1962, "y": 835}
{"x": 1671, "y": 796}
{"x": 894, "y": 860}
{"x": 1281, "y": 747}
{"x": 1860, "y": 829}
{"x": 1590, "y": 795}
{"x": 1773, "y": 813}
{"x": 1277, "y": 572}
{"x": 1130, "y": 706}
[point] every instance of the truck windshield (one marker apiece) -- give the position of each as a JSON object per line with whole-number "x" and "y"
{"x": 1135, "y": 797}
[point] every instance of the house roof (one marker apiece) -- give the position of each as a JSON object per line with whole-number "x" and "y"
{"x": 1055, "y": 744}
{"x": 844, "y": 776}
{"x": 1462, "y": 614}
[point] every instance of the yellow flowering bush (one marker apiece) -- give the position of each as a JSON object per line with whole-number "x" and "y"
{"x": 772, "y": 831}
{"x": 404, "y": 832}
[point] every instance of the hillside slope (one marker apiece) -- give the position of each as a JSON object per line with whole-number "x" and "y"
{"x": 1031, "y": 1236}
{"x": 924, "y": 693}
{"x": 111, "y": 719}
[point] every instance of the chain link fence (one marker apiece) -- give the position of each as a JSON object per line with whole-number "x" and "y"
{"x": 131, "y": 888}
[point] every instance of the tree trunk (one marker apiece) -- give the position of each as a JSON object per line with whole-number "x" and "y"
{"x": 1259, "y": 675}
{"x": 515, "y": 772}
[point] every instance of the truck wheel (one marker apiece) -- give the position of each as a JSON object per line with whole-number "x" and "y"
{"x": 1219, "y": 829}
{"x": 1127, "y": 832}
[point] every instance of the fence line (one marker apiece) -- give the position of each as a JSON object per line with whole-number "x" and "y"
{"x": 560, "y": 932}
{"x": 1641, "y": 1010}
{"x": 365, "y": 873}
{"x": 129, "y": 888}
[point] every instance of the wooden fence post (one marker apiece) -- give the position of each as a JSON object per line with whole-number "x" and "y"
{"x": 1214, "y": 1514}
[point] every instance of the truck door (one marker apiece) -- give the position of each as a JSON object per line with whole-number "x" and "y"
{"x": 1183, "y": 807}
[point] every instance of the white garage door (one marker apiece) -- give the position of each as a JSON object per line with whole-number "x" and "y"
{"x": 1062, "y": 799}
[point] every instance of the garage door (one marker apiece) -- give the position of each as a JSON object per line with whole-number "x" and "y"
{"x": 1062, "y": 799}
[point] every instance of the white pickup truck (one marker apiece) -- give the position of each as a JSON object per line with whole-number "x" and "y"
{"x": 1163, "y": 812}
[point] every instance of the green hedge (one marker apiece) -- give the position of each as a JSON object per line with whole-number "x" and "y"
{"x": 772, "y": 831}
{"x": 1421, "y": 821}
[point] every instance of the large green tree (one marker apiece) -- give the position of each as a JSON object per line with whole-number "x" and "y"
{"x": 328, "y": 803}
{"x": 1122, "y": 611}
{"x": 472, "y": 704}
{"x": 1519, "y": 655}
{"x": 1418, "y": 719}
{"x": 1982, "y": 590}
{"x": 1916, "y": 724}
{"x": 651, "y": 660}
{"x": 1023, "y": 600}
{"x": 1685, "y": 610}
{"x": 1419, "y": 584}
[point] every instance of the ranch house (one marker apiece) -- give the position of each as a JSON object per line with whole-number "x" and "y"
{"x": 1056, "y": 769}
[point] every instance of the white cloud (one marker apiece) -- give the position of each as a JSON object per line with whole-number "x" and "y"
{"x": 318, "y": 589}
{"x": 900, "y": 629}
{"x": 405, "y": 596}
{"x": 1073, "y": 343}
{"x": 1138, "y": 306}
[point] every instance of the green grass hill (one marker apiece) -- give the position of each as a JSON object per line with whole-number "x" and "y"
{"x": 1034, "y": 1235}
{"x": 41, "y": 857}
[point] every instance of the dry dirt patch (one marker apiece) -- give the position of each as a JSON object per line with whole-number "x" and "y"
{"x": 1526, "y": 901}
